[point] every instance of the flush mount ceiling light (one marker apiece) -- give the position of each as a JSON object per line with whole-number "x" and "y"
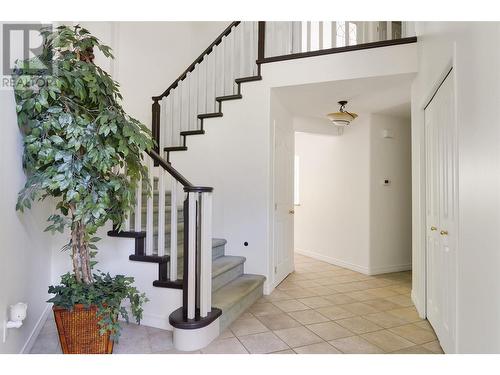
{"x": 341, "y": 118}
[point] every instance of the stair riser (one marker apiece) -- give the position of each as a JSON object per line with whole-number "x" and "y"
{"x": 226, "y": 277}
{"x": 229, "y": 316}
{"x": 218, "y": 252}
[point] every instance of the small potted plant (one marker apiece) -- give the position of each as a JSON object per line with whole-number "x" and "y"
{"x": 85, "y": 152}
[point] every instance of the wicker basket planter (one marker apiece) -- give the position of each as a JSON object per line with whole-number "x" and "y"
{"x": 79, "y": 331}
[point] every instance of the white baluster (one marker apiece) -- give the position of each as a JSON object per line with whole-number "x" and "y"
{"x": 164, "y": 135}
{"x": 247, "y": 49}
{"x": 126, "y": 222}
{"x": 176, "y": 114}
{"x": 228, "y": 64}
{"x": 296, "y": 37}
{"x": 167, "y": 114}
{"x": 308, "y": 36}
{"x": 149, "y": 211}
{"x": 237, "y": 56}
{"x": 173, "y": 229}
{"x": 138, "y": 207}
{"x": 161, "y": 212}
{"x": 191, "y": 254}
{"x": 206, "y": 254}
{"x": 210, "y": 95}
{"x": 254, "y": 48}
{"x": 193, "y": 99}
{"x": 184, "y": 125}
{"x": 201, "y": 91}
{"x": 219, "y": 66}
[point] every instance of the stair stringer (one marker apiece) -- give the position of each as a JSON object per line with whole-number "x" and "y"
{"x": 232, "y": 156}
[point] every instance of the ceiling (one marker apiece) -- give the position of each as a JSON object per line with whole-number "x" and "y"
{"x": 389, "y": 95}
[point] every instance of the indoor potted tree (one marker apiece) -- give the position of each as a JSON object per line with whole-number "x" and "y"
{"x": 83, "y": 150}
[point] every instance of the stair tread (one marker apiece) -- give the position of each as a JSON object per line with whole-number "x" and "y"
{"x": 193, "y": 132}
{"x": 175, "y": 148}
{"x": 228, "y": 97}
{"x": 210, "y": 115}
{"x": 248, "y": 79}
{"x": 236, "y": 290}
{"x": 225, "y": 263}
{"x": 216, "y": 242}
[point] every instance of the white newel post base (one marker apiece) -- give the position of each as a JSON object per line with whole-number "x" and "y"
{"x": 196, "y": 339}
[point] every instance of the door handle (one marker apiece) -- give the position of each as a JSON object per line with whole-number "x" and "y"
{"x": 444, "y": 233}
{"x": 433, "y": 228}
{"x": 291, "y": 212}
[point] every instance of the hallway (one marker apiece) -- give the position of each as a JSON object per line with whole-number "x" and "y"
{"x": 320, "y": 308}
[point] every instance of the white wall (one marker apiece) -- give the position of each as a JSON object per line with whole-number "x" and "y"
{"x": 332, "y": 222}
{"x": 25, "y": 250}
{"x": 390, "y": 206}
{"x": 471, "y": 48}
{"x": 149, "y": 56}
{"x": 235, "y": 154}
{"x": 346, "y": 215}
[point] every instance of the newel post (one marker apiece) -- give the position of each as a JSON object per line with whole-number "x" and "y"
{"x": 155, "y": 126}
{"x": 261, "y": 41}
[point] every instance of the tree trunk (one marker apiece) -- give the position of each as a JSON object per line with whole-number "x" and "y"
{"x": 81, "y": 254}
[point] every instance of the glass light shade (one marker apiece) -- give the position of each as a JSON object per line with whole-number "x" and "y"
{"x": 341, "y": 118}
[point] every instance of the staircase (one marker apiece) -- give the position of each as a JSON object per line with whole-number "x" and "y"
{"x": 233, "y": 291}
{"x": 173, "y": 226}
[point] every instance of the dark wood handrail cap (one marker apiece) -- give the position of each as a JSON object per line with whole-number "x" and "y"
{"x": 198, "y": 189}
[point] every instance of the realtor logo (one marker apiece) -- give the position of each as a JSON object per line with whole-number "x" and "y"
{"x": 23, "y": 41}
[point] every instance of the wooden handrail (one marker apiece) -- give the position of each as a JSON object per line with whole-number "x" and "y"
{"x": 188, "y": 186}
{"x": 198, "y": 60}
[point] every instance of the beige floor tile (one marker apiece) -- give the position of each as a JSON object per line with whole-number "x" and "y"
{"x": 409, "y": 314}
{"x": 290, "y": 305}
{"x": 259, "y": 309}
{"x": 315, "y": 302}
{"x": 308, "y": 316}
{"x": 307, "y": 283}
{"x": 335, "y": 312}
{"x": 276, "y": 295}
{"x": 425, "y": 325}
{"x": 414, "y": 333}
{"x": 278, "y": 321}
{"x": 287, "y": 351}
{"x": 247, "y": 327}
{"x": 161, "y": 340}
{"x": 358, "y": 325}
{"x": 434, "y": 347}
{"x": 226, "y": 346}
{"x": 263, "y": 343}
{"x": 225, "y": 334}
{"x": 413, "y": 350}
{"x": 387, "y": 341}
{"x": 360, "y": 308}
{"x": 382, "y": 304}
{"x": 401, "y": 300}
{"x": 362, "y": 295}
{"x": 319, "y": 348}
{"x": 300, "y": 293}
{"x": 383, "y": 292}
{"x": 321, "y": 290}
{"x": 299, "y": 336}
{"x": 340, "y": 299}
{"x": 355, "y": 345}
{"x": 329, "y": 330}
{"x": 385, "y": 320}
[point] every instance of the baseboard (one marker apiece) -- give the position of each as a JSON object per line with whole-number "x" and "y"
{"x": 389, "y": 269}
{"x": 355, "y": 267}
{"x": 416, "y": 303}
{"x": 36, "y": 330}
{"x": 151, "y": 320}
{"x": 334, "y": 261}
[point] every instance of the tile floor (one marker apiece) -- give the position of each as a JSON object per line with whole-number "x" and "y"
{"x": 320, "y": 308}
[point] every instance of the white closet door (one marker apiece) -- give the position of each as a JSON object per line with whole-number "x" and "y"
{"x": 442, "y": 183}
